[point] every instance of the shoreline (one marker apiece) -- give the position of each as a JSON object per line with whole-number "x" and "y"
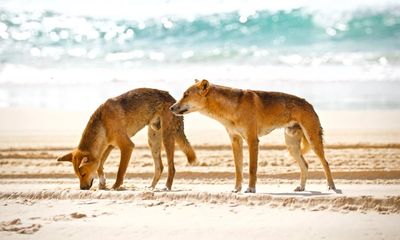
{"x": 29, "y": 127}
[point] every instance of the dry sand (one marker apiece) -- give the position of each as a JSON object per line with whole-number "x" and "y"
{"x": 40, "y": 198}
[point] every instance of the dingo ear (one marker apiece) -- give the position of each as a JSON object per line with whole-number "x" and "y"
{"x": 204, "y": 87}
{"x": 65, "y": 158}
{"x": 84, "y": 161}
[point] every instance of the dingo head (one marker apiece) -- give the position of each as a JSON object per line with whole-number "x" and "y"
{"x": 85, "y": 167}
{"x": 194, "y": 98}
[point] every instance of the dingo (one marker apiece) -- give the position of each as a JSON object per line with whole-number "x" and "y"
{"x": 118, "y": 119}
{"x": 251, "y": 114}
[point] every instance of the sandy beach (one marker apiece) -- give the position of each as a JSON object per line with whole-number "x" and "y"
{"x": 60, "y": 60}
{"x": 40, "y": 198}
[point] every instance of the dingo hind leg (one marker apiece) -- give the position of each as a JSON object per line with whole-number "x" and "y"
{"x": 319, "y": 150}
{"x": 154, "y": 141}
{"x": 293, "y": 138}
{"x": 168, "y": 138}
{"x": 169, "y": 145}
{"x": 313, "y": 132}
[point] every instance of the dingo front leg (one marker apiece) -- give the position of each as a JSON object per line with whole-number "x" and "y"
{"x": 237, "y": 147}
{"x": 100, "y": 172}
{"x": 126, "y": 146}
{"x": 253, "y": 152}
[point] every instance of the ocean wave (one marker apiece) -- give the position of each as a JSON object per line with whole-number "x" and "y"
{"x": 53, "y": 47}
{"x": 296, "y": 36}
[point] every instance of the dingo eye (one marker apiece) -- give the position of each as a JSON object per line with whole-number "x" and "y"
{"x": 185, "y": 94}
{"x": 83, "y": 175}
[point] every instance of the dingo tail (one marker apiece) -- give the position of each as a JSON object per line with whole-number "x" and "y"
{"x": 184, "y": 143}
{"x": 305, "y": 145}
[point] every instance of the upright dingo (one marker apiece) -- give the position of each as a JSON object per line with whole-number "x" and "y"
{"x": 249, "y": 114}
{"x": 115, "y": 122}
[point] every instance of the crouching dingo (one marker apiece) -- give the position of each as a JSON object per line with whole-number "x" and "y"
{"x": 115, "y": 122}
{"x": 248, "y": 114}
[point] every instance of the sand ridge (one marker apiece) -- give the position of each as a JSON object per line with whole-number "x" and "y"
{"x": 309, "y": 200}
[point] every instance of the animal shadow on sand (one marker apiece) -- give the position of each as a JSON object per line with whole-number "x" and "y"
{"x": 145, "y": 189}
{"x": 306, "y": 193}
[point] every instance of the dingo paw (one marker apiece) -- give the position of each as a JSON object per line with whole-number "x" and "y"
{"x": 237, "y": 190}
{"x": 102, "y": 186}
{"x": 332, "y": 187}
{"x": 299, "y": 189}
{"x": 250, "y": 190}
{"x": 338, "y": 191}
{"x": 118, "y": 188}
{"x": 194, "y": 163}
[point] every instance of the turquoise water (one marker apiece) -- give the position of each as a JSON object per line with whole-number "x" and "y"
{"x": 56, "y": 38}
{"x": 52, "y": 48}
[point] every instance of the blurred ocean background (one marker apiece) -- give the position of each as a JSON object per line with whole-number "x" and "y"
{"x": 74, "y": 54}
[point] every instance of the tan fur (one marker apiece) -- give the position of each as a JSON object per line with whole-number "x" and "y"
{"x": 249, "y": 114}
{"x": 115, "y": 122}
